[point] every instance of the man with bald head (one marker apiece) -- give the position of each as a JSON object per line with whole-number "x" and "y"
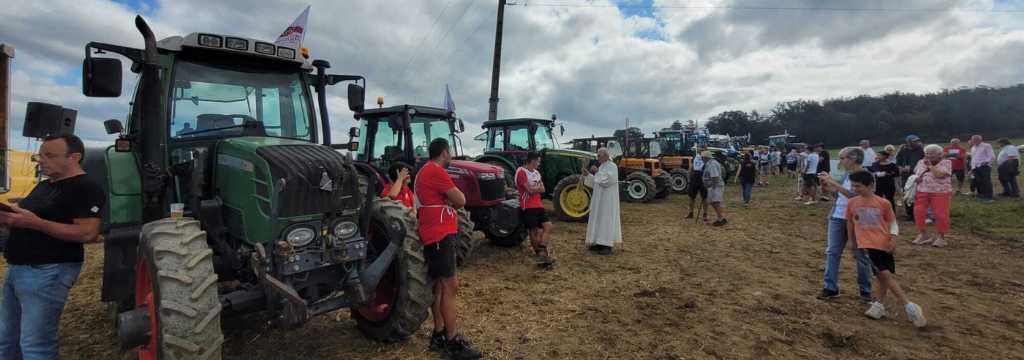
{"x": 982, "y": 157}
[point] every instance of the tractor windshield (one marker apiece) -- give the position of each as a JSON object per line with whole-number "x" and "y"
{"x": 426, "y": 129}
{"x": 214, "y": 101}
{"x": 672, "y": 143}
{"x": 543, "y": 138}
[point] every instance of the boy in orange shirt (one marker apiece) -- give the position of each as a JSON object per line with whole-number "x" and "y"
{"x": 870, "y": 224}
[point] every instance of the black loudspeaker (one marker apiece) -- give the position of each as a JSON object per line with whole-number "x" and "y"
{"x": 42, "y": 120}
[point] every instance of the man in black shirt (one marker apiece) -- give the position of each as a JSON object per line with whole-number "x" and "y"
{"x": 44, "y": 252}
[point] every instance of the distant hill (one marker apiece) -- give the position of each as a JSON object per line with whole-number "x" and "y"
{"x": 935, "y": 117}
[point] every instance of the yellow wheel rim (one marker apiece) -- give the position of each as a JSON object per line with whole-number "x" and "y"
{"x": 575, "y": 201}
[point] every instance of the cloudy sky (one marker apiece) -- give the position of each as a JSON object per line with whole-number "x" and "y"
{"x": 592, "y": 62}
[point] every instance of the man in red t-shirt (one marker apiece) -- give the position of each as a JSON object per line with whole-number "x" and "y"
{"x": 398, "y": 189}
{"x": 530, "y": 186}
{"x": 956, "y": 154}
{"x": 436, "y": 201}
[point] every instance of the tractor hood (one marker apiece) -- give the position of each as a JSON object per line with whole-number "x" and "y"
{"x": 572, "y": 153}
{"x": 476, "y": 167}
{"x": 273, "y": 181}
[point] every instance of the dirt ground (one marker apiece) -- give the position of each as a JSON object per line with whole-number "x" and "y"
{"x": 675, "y": 290}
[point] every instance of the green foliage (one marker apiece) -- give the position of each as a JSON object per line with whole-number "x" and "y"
{"x": 936, "y": 117}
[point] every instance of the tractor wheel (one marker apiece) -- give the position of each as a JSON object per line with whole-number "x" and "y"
{"x": 511, "y": 240}
{"x": 640, "y": 187}
{"x": 176, "y": 283}
{"x": 572, "y": 199}
{"x": 680, "y": 180}
{"x": 404, "y": 294}
{"x": 665, "y": 186}
{"x": 465, "y": 243}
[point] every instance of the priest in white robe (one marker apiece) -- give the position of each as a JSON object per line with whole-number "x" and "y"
{"x": 604, "y": 229}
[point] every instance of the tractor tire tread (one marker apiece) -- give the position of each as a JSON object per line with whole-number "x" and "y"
{"x": 189, "y": 309}
{"x": 415, "y": 295}
{"x": 647, "y": 180}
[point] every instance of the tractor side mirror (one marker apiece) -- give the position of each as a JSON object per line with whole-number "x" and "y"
{"x": 353, "y": 133}
{"x": 356, "y": 97}
{"x": 101, "y": 77}
{"x": 42, "y": 120}
{"x": 462, "y": 126}
{"x": 113, "y": 126}
{"x": 562, "y": 128}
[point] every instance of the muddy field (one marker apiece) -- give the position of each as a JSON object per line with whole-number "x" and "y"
{"x": 675, "y": 290}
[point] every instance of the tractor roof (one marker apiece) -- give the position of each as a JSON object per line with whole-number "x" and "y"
{"x": 516, "y": 121}
{"x": 420, "y": 110}
{"x": 232, "y": 44}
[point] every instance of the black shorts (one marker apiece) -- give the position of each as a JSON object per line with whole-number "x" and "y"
{"x": 791, "y": 167}
{"x": 960, "y": 174}
{"x": 810, "y": 180}
{"x": 882, "y": 260}
{"x": 696, "y": 185}
{"x": 534, "y": 218}
{"x": 440, "y": 258}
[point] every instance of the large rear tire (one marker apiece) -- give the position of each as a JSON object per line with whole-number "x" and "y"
{"x": 404, "y": 295}
{"x": 177, "y": 284}
{"x": 664, "y": 184}
{"x": 640, "y": 187}
{"x": 465, "y": 243}
{"x": 680, "y": 180}
{"x": 572, "y": 199}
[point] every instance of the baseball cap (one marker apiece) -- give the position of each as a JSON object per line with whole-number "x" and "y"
{"x": 912, "y": 137}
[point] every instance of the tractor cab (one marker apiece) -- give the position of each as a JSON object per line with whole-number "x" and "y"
{"x": 402, "y": 134}
{"x": 227, "y": 196}
{"x": 637, "y": 160}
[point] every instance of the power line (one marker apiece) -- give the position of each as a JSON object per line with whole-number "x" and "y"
{"x": 465, "y": 9}
{"x": 768, "y": 8}
{"x": 423, "y": 40}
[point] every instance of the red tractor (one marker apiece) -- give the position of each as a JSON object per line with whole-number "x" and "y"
{"x": 401, "y": 135}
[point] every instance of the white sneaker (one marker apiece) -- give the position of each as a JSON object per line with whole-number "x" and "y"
{"x": 929, "y": 221}
{"x": 876, "y": 311}
{"x": 916, "y": 315}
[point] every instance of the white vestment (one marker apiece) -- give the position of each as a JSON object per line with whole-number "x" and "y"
{"x": 604, "y": 227}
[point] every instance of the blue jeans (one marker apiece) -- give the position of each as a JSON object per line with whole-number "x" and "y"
{"x": 748, "y": 189}
{"x": 32, "y": 300}
{"x": 834, "y": 254}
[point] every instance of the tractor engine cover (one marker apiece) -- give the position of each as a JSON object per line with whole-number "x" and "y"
{"x": 314, "y": 177}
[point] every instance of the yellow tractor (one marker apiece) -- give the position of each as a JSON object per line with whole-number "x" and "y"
{"x": 636, "y": 158}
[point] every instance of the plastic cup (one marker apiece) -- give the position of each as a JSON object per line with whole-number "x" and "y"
{"x": 177, "y": 210}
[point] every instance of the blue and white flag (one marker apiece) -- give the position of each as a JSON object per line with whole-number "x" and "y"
{"x": 449, "y": 104}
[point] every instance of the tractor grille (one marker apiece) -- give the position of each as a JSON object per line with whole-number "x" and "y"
{"x": 303, "y": 168}
{"x": 492, "y": 189}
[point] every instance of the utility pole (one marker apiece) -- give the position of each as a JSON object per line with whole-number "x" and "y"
{"x": 6, "y": 54}
{"x": 492, "y": 114}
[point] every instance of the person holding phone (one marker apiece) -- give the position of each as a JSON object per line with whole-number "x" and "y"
{"x": 44, "y": 252}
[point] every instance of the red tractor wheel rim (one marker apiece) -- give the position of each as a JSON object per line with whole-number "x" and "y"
{"x": 144, "y": 297}
{"x": 384, "y": 296}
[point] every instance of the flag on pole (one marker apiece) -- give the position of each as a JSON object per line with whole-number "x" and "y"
{"x": 449, "y": 104}
{"x": 294, "y": 34}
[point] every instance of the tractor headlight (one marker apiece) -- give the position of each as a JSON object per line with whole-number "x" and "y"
{"x": 265, "y": 48}
{"x": 287, "y": 53}
{"x": 344, "y": 229}
{"x": 300, "y": 236}
{"x": 210, "y": 40}
{"x": 236, "y": 44}
{"x": 487, "y": 176}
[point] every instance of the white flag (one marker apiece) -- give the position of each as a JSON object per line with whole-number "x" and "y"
{"x": 293, "y": 35}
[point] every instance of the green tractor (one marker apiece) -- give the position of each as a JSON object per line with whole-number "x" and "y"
{"x": 508, "y": 141}
{"x": 268, "y": 216}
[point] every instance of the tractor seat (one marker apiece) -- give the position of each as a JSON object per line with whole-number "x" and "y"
{"x": 392, "y": 153}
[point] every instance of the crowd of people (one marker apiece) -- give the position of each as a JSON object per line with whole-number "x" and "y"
{"x": 62, "y": 214}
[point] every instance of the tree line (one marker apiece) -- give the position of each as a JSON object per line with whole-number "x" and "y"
{"x": 885, "y": 119}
